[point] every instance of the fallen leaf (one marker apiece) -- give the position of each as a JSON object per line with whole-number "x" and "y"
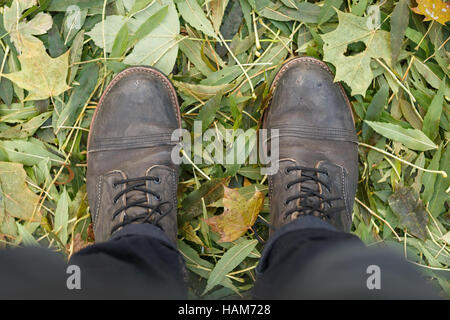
{"x": 78, "y": 243}
{"x": 412, "y": 138}
{"x": 193, "y": 14}
{"x": 42, "y": 75}
{"x": 61, "y": 219}
{"x": 201, "y": 91}
{"x": 159, "y": 48}
{"x": 239, "y": 214}
{"x": 399, "y": 23}
{"x": 433, "y": 10}
{"x": 230, "y": 260}
{"x": 17, "y": 199}
{"x": 189, "y": 233}
{"x": 210, "y": 192}
{"x": 27, "y": 129}
{"x": 406, "y": 205}
{"x": 355, "y": 69}
{"x": 217, "y": 11}
{"x": 19, "y": 29}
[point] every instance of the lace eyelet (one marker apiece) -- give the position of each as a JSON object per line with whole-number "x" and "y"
{"x": 287, "y": 171}
{"x": 286, "y": 187}
{"x": 114, "y": 185}
{"x": 158, "y": 198}
{"x": 157, "y": 180}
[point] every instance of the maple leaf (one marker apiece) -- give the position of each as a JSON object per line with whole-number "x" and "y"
{"x": 16, "y": 199}
{"x": 19, "y": 29}
{"x": 42, "y": 75}
{"x": 433, "y": 10}
{"x": 239, "y": 214}
{"x": 355, "y": 69}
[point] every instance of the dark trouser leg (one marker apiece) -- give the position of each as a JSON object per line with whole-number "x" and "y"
{"x": 137, "y": 262}
{"x": 309, "y": 259}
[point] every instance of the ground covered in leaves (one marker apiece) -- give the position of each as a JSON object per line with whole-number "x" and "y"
{"x": 57, "y": 56}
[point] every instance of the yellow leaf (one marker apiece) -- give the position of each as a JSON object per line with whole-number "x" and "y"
{"x": 42, "y": 75}
{"x": 239, "y": 215}
{"x": 433, "y": 10}
{"x": 190, "y": 234}
{"x": 17, "y": 200}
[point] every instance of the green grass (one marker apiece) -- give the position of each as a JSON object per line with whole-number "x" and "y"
{"x": 225, "y": 84}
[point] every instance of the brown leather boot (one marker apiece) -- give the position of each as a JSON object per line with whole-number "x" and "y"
{"x": 130, "y": 176}
{"x": 318, "y": 166}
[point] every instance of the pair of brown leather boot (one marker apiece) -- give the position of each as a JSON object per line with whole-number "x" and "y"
{"x": 131, "y": 177}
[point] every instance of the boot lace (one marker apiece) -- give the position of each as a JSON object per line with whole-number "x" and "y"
{"x": 138, "y": 184}
{"x": 314, "y": 199}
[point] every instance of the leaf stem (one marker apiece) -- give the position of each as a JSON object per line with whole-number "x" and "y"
{"x": 193, "y": 164}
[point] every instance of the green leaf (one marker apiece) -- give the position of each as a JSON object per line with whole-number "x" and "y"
{"x": 192, "y": 50}
{"x": 198, "y": 265}
{"x": 194, "y": 15}
{"x": 75, "y": 55}
{"x": 230, "y": 260}
{"x": 306, "y": 12}
{"x": 207, "y": 113}
{"x": 150, "y": 24}
{"x": 105, "y": 32}
{"x": 375, "y": 109}
{"x": 139, "y": 5}
{"x": 26, "y": 236}
{"x": 16, "y": 113}
{"x": 6, "y": 87}
{"x": 27, "y": 129}
{"x": 120, "y": 44}
{"x": 72, "y": 24}
{"x": 210, "y": 191}
{"x": 359, "y": 7}
{"x": 410, "y": 114}
{"x": 355, "y": 69}
{"x": 406, "y": 205}
{"x": 440, "y": 192}
{"x": 328, "y": 10}
{"x": 428, "y": 178}
{"x": 433, "y": 116}
{"x": 78, "y": 99}
{"x": 399, "y": 23}
{"x": 253, "y": 173}
{"x": 159, "y": 48}
{"x": 62, "y": 217}
{"x": 412, "y": 138}
{"x": 28, "y": 152}
{"x": 430, "y": 76}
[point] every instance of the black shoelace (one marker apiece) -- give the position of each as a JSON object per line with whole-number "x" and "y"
{"x": 144, "y": 217}
{"x": 306, "y": 193}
